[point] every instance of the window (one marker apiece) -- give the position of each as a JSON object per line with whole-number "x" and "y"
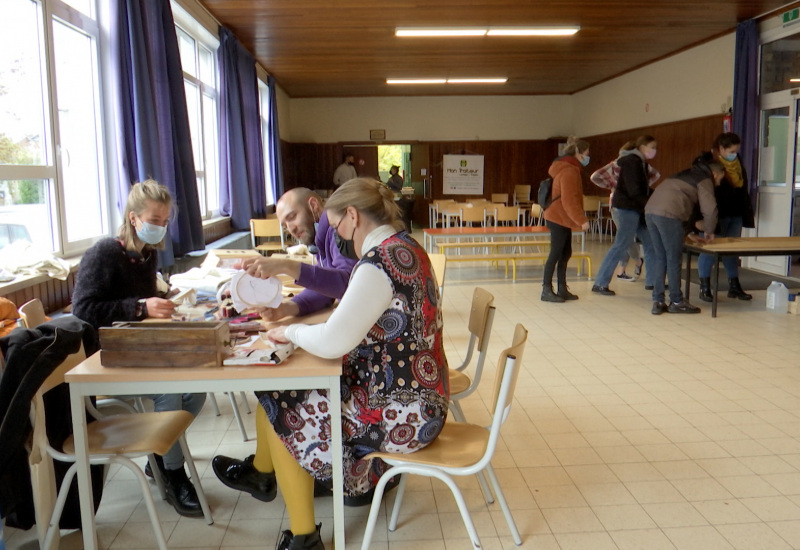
{"x": 200, "y": 81}
{"x": 263, "y": 94}
{"x": 52, "y": 175}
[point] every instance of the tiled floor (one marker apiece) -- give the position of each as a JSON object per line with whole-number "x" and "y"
{"x": 629, "y": 431}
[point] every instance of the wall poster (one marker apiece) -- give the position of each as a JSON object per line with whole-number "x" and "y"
{"x": 463, "y": 174}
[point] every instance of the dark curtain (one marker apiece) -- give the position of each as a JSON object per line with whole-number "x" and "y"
{"x": 274, "y": 142}
{"x": 746, "y": 110}
{"x": 153, "y": 124}
{"x": 242, "y": 192}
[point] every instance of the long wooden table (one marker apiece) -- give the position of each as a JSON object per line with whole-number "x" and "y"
{"x": 435, "y": 234}
{"x": 300, "y": 371}
{"x": 736, "y": 246}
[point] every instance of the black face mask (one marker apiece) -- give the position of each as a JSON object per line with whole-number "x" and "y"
{"x": 346, "y": 246}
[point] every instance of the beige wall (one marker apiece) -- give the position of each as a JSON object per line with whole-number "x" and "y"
{"x": 430, "y": 118}
{"x": 697, "y": 82}
{"x": 694, "y": 83}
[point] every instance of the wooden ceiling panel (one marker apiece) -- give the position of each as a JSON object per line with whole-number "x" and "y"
{"x": 347, "y": 48}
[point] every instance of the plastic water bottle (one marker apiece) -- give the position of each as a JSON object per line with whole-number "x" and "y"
{"x": 777, "y": 297}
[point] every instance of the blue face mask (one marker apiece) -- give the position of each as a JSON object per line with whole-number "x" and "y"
{"x": 151, "y": 234}
{"x": 585, "y": 160}
{"x": 730, "y": 157}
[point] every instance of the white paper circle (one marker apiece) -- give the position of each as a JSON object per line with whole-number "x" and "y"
{"x": 251, "y": 292}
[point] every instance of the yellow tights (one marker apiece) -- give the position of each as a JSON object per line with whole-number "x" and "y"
{"x": 297, "y": 485}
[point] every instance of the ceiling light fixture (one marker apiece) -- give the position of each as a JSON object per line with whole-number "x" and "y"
{"x": 533, "y": 31}
{"x": 477, "y": 80}
{"x": 446, "y": 80}
{"x": 454, "y": 31}
{"x": 794, "y": 80}
{"x": 416, "y": 80}
{"x": 483, "y": 31}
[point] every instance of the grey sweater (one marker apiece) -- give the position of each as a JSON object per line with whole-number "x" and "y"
{"x": 677, "y": 196}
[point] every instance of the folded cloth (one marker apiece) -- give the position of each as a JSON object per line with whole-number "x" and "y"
{"x": 202, "y": 279}
{"x": 24, "y": 258}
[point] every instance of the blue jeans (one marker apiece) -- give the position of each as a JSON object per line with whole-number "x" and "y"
{"x": 629, "y": 226}
{"x": 666, "y": 235}
{"x": 728, "y": 227}
{"x": 191, "y": 402}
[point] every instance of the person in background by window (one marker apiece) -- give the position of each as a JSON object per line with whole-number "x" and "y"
{"x": 395, "y": 181}
{"x": 564, "y": 215}
{"x": 117, "y": 281}
{"x": 346, "y": 171}
{"x": 735, "y": 212}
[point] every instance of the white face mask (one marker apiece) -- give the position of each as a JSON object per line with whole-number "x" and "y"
{"x": 151, "y": 233}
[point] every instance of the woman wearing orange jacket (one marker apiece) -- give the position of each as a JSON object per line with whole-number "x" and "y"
{"x": 563, "y": 216}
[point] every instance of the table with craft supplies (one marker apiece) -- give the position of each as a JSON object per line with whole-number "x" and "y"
{"x": 298, "y": 372}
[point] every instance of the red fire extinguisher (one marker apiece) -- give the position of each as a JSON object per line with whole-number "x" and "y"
{"x": 727, "y": 122}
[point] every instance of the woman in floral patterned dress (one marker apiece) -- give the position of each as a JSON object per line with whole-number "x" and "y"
{"x": 395, "y": 386}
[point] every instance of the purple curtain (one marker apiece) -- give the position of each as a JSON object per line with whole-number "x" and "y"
{"x": 153, "y": 124}
{"x": 746, "y": 110}
{"x": 274, "y": 141}
{"x": 242, "y": 192}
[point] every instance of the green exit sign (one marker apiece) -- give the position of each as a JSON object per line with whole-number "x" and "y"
{"x": 791, "y": 15}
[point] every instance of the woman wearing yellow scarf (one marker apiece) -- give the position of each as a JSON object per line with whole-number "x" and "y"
{"x": 735, "y": 212}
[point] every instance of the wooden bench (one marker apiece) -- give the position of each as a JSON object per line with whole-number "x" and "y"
{"x": 520, "y": 256}
{"x": 443, "y": 247}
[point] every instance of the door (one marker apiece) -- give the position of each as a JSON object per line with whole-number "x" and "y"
{"x": 777, "y": 176}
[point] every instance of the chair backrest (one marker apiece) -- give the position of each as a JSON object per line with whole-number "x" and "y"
{"x": 507, "y": 214}
{"x": 500, "y": 197}
{"x": 591, "y": 203}
{"x": 473, "y": 214}
{"x": 505, "y": 381}
{"x": 31, "y": 313}
{"x": 522, "y": 193}
{"x": 479, "y": 317}
{"x": 536, "y": 211}
{"x": 270, "y": 228}
{"x": 439, "y": 265}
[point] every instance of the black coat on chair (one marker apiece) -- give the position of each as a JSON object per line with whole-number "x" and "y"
{"x": 30, "y": 356}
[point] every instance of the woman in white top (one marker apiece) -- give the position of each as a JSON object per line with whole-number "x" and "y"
{"x": 395, "y": 387}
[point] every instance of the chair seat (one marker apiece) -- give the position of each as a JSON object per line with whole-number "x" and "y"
{"x": 269, "y": 246}
{"x": 459, "y": 382}
{"x": 459, "y": 445}
{"x": 141, "y": 433}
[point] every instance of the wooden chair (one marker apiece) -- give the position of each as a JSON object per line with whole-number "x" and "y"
{"x": 591, "y": 207}
{"x": 112, "y": 439}
{"x": 460, "y": 450}
{"x": 500, "y": 198}
{"x": 31, "y": 314}
{"x": 434, "y": 211}
{"x": 439, "y": 265}
{"x": 507, "y": 215}
{"x": 537, "y": 214}
{"x": 475, "y": 214}
{"x": 522, "y": 196}
{"x": 267, "y": 229}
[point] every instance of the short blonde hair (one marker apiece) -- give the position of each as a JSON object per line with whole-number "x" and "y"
{"x": 148, "y": 190}
{"x": 369, "y": 197}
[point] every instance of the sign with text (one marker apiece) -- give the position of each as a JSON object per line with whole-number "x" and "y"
{"x": 463, "y": 174}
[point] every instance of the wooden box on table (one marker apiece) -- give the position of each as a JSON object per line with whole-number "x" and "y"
{"x": 164, "y": 344}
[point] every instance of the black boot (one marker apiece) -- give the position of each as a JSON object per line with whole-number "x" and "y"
{"x": 735, "y": 290}
{"x": 181, "y": 493}
{"x": 564, "y": 292}
{"x": 159, "y": 462}
{"x": 705, "y": 289}
{"x": 549, "y": 296}
{"x": 311, "y": 541}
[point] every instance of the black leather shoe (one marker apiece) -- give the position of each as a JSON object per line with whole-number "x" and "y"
{"x": 563, "y": 291}
{"x": 311, "y": 541}
{"x": 683, "y": 307}
{"x": 243, "y": 476}
{"x": 181, "y": 494}
{"x": 549, "y": 296}
{"x": 604, "y": 290}
{"x": 659, "y": 308}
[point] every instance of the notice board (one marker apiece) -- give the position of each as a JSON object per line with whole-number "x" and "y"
{"x": 463, "y": 174}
